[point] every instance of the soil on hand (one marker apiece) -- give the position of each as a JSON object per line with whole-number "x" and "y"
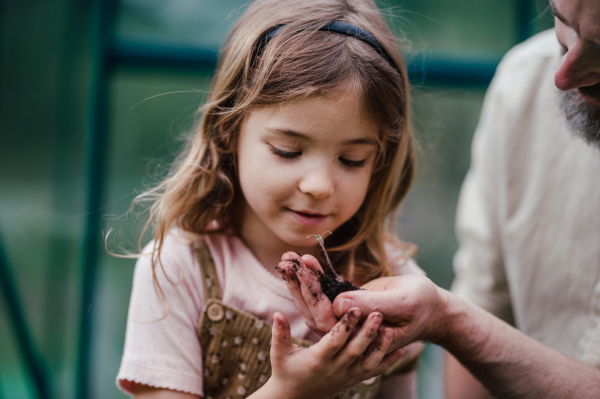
{"x": 332, "y": 287}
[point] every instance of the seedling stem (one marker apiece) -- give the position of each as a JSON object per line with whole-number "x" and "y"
{"x": 319, "y": 238}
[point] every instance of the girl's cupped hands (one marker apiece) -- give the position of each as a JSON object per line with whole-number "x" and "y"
{"x": 345, "y": 356}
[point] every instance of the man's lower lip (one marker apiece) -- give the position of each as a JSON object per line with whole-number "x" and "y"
{"x": 589, "y": 99}
{"x": 307, "y": 220}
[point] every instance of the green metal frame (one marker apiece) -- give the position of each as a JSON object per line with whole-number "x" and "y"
{"x": 108, "y": 52}
{"x": 33, "y": 360}
{"x": 96, "y": 142}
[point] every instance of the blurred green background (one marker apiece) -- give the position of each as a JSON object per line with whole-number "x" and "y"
{"x": 49, "y": 65}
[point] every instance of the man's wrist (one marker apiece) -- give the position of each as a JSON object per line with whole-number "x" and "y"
{"x": 444, "y": 317}
{"x": 465, "y": 329}
{"x": 450, "y": 319}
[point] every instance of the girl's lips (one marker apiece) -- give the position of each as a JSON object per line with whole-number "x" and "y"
{"x": 307, "y": 218}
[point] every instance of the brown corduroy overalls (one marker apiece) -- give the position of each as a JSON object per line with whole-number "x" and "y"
{"x": 236, "y": 346}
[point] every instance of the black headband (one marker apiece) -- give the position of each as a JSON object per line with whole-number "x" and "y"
{"x": 339, "y": 27}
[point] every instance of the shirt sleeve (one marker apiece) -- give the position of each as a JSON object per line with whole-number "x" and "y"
{"x": 162, "y": 348}
{"x": 479, "y": 264}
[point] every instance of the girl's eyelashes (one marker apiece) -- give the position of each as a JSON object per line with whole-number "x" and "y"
{"x": 285, "y": 154}
{"x": 352, "y": 164}
{"x": 348, "y": 163}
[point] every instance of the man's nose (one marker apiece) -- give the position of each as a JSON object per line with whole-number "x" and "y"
{"x": 318, "y": 181}
{"x": 579, "y": 66}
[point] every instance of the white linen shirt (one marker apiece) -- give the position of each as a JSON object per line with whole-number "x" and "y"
{"x": 529, "y": 211}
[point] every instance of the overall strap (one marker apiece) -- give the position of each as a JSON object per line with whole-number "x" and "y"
{"x": 210, "y": 280}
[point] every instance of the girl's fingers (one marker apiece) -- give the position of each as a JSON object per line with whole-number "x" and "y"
{"x": 290, "y": 262}
{"x": 335, "y": 340}
{"x": 319, "y": 305}
{"x": 323, "y": 311}
{"x": 301, "y": 275}
{"x": 387, "y": 362}
{"x": 281, "y": 341}
{"x": 312, "y": 263}
{"x": 375, "y": 354}
{"x": 359, "y": 343}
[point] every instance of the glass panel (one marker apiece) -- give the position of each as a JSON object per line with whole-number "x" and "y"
{"x": 460, "y": 25}
{"x": 147, "y": 125}
{"x": 202, "y": 23}
{"x": 43, "y": 91}
{"x": 542, "y": 17}
{"x": 14, "y": 382}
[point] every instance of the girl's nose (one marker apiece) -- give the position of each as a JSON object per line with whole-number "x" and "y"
{"x": 318, "y": 182}
{"x": 580, "y": 66}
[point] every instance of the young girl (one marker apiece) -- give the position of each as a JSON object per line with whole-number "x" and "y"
{"x": 306, "y": 130}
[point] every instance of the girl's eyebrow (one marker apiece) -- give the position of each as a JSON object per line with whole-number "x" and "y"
{"x": 305, "y": 137}
{"x": 364, "y": 141}
{"x": 289, "y": 133}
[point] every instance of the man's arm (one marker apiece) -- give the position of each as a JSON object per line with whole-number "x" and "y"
{"x": 507, "y": 362}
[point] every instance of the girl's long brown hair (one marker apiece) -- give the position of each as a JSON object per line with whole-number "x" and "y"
{"x": 201, "y": 194}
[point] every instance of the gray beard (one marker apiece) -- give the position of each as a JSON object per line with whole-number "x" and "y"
{"x": 583, "y": 118}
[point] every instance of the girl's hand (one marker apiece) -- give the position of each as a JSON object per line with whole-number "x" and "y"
{"x": 341, "y": 359}
{"x": 300, "y": 274}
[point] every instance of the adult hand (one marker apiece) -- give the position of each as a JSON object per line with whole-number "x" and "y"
{"x": 413, "y": 306}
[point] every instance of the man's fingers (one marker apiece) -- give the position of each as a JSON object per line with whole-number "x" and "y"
{"x": 378, "y": 301}
{"x": 396, "y": 305}
{"x": 281, "y": 341}
{"x": 398, "y": 299}
{"x": 367, "y": 301}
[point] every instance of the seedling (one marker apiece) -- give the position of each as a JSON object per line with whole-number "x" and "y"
{"x": 331, "y": 287}
{"x": 319, "y": 238}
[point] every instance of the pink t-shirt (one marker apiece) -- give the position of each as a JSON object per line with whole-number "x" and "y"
{"x": 164, "y": 352}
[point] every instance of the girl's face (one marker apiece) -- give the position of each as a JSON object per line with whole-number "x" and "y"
{"x": 304, "y": 168}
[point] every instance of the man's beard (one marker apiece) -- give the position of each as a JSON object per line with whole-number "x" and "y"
{"x": 583, "y": 118}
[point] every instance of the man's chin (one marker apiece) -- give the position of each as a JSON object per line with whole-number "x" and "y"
{"x": 583, "y": 118}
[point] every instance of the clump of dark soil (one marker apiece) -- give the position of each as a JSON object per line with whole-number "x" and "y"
{"x": 332, "y": 287}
